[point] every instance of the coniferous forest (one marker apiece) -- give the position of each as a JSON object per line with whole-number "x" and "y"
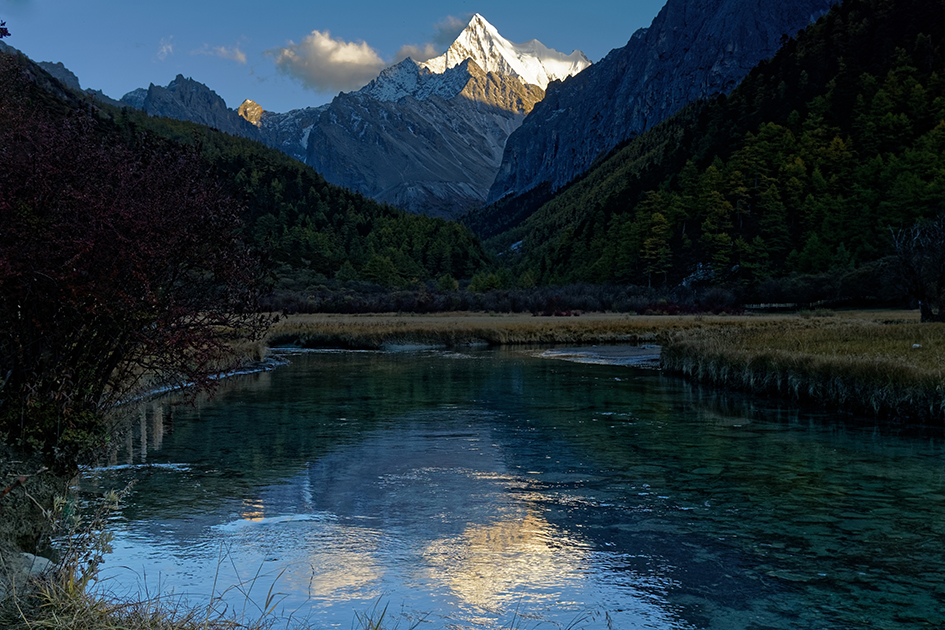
{"x": 789, "y": 189}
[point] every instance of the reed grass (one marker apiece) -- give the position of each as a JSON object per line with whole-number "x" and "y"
{"x": 883, "y": 363}
{"x": 460, "y": 329}
{"x": 893, "y": 369}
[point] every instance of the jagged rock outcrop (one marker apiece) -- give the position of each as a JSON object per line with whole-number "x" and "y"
{"x": 63, "y": 74}
{"x": 251, "y": 111}
{"x": 693, "y": 49}
{"x": 135, "y": 98}
{"x": 186, "y": 99}
{"x": 433, "y": 149}
{"x": 289, "y": 131}
{"x": 532, "y": 62}
{"x": 427, "y": 137}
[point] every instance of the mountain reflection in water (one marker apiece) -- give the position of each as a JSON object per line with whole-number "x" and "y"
{"x": 497, "y": 488}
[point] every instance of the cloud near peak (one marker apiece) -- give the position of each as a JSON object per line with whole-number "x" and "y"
{"x": 448, "y": 29}
{"x": 417, "y": 53}
{"x": 326, "y": 64}
{"x": 165, "y": 48}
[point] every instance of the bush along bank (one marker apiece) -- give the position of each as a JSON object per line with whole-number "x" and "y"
{"x": 893, "y": 371}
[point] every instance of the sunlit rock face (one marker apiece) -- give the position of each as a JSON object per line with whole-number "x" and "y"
{"x": 532, "y": 62}
{"x": 427, "y": 137}
{"x": 250, "y": 111}
{"x": 693, "y": 49}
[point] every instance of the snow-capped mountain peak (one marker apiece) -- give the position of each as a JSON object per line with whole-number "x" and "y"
{"x": 532, "y": 62}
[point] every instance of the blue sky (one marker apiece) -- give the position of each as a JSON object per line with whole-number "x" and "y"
{"x": 286, "y": 55}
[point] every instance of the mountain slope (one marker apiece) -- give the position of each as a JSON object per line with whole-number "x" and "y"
{"x": 311, "y": 231}
{"x": 805, "y": 168}
{"x": 693, "y": 49}
{"x": 434, "y": 150}
{"x": 426, "y": 137}
{"x": 532, "y": 62}
{"x": 186, "y": 99}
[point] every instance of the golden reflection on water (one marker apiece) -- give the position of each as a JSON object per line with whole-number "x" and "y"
{"x": 338, "y": 573}
{"x": 488, "y": 566}
{"x": 252, "y": 510}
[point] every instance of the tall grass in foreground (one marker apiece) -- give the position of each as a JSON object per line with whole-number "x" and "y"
{"x": 66, "y": 598}
{"x": 891, "y": 370}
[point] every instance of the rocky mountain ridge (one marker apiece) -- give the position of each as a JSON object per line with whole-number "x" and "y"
{"x": 186, "y": 99}
{"x": 427, "y": 137}
{"x": 532, "y": 62}
{"x": 693, "y": 49}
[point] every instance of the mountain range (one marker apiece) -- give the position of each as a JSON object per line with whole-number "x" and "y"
{"x": 427, "y": 136}
{"x": 804, "y": 169}
{"x": 802, "y": 184}
{"x": 475, "y": 125}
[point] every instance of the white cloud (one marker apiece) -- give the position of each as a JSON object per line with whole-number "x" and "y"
{"x": 325, "y": 64}
{"x": 166, "y": 48}
{"x": 232, "y": 53}
{"x": 448, "y": 29}
{"x": 417, "y": 53}
{"x": 445, "y": 33}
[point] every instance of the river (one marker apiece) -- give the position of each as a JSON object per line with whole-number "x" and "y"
{"x": 524, "y": 489}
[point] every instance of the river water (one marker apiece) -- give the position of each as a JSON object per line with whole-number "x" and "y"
{"x": 517, "y": 489}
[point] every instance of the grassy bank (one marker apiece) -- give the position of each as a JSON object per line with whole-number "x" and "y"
{"x": 881, "y": 363}
{"x": 890, "y": 367}
{"x": 459, "y": 329}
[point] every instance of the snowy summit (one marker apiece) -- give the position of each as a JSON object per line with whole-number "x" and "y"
{"x": 532, "y": 62}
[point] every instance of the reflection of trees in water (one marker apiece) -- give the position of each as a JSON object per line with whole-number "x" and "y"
{"x": 139, "y": 432}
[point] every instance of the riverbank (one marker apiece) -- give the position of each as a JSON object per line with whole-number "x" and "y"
{"x": 373, "y": 332}
{"x": 883, "y": 363}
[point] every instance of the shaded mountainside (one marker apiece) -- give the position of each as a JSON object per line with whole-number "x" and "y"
{"x": 694, "y": 49}
{"x": 805, "y": 168}
{"x": 304, "y": 224}
{"x": 429, "y": 137}
{"x": 434, "y": 150}
{"x": 186, "y": 99}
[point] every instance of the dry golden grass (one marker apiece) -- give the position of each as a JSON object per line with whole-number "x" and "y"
{"x": 882, "y": 362}
{"x": 454, "y": 329}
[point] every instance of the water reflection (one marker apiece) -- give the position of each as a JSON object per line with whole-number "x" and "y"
{"x": 473, "y": 488}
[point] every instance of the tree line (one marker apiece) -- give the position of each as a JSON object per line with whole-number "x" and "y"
{"x": 805, "y": 169}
